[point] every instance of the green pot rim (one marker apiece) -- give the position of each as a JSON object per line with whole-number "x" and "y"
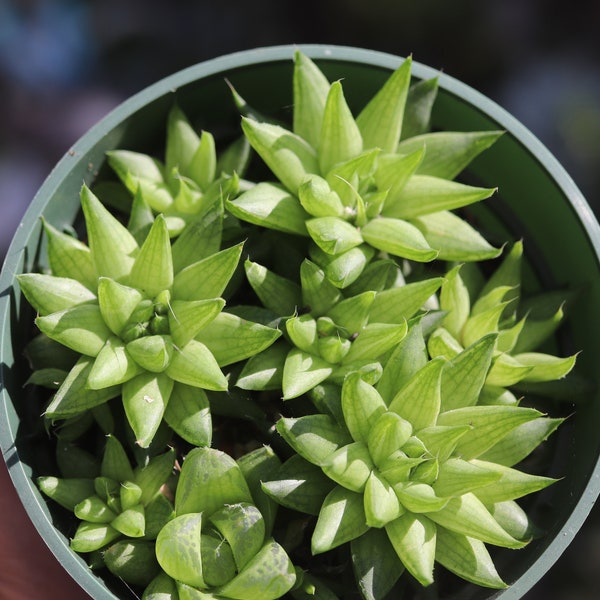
{"x": 30, "y": 496}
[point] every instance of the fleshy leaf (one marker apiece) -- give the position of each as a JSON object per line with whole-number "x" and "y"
{"x": 209, "y": 479}
{"x": 188, "y": 414}
{"x": 419, "y": 102}
{"x": 380, "y": 122}
{"x": 113, "y": 366}
{"x": 341, "y": 519}
{"x": 145, "y": 399}
{"x": 117, "y": 303}
{"x": 381, "y": 502}
{"x": 419, "y": 400}
{"x": 545, "y": 367}
{"x": 112, "y": 246}
{"x": 152, "y": 271}
{"x": 399, "y": 238}
{"x": 362, "y": 406}
{"x": 457, "y": 477}
{"x": 264, "y": 371}
{"x": 343, "y": 269}
{"x": 333, "y": 235}
{"x": 468, "y": 558}
{"x": 279, "y": 294}
{"x": 289, "y": 156}
{"x": 66, "y": 492}
{"x": 93, "y": 536}
{"x": 350, "y": 466}
{"x": 387, "y": 434}
{"x": 80, "y": 328}
{"x": 318, "y": 292}
{"x": 340, "y": 137}
{"x": 188, "y": 318}
{"x": 303, "y": 371}
{"x": 424, "y": 194}
{"x": 313, "y": 437}
{"x": 231, "y": 339}
{"x": 375, "y": 340}
{"x": 414, "y": 540}
{"x": 318, "y": 199}
{"x": 419, "y": 497}
{"x": 455, "y": 300}
{"x": 151, "y": 352}
{"x": 195, "y": 365}
{"x": 393, "y": 171}
{"x": 270, "y": 205}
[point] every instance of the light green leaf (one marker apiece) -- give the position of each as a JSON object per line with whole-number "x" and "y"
{"x": 66, "y": 492}
{"x": 441, "y": 440}
{"x": 208, "y": 277}
{"x": 417, "y": 113}
{"x": 318, "y": 292}
{"x": 152, "y": 271}
{"x": 489, "y": 425}
{"x": 310, "y": 94}
{"x": 279, "y": 294}
{"x": 151, "y": 352}
{"x": 353, "y": 313}
{"x": 92, "y": 536}
{"x": 182, "y": 141}
{"x": 482, "y": 323}
{"x": 131, "y": 522}
{"x": 468, "y": 558}
{"x": 387, "y": 435}
{"x": 455, "y": 300}
{"x": 399, "y": 238}
{"x": 424, "y": 194}
{"x": 393, "y": 171}
{"x": 419, "y": 400}
{"x": 49, "y": 294}
{"x": 271, "y": 206}
{"x": 145, "y": 399}
{"x": 188, "y": 318}
{"x": 350, "y": 466}
{"x": 414, "y": 540}
{"x": 375, "y": 340}
{"x": 448, "y": 152}
{"x": 442, "y": 343}
{"x": 362, "y": 406}
{"x": 313, "y": 437}
{"x": 117, "y": 303}
{"x": 303, "y": 371}
{"x": 93, "y": 510}
{"x": 268, "y": 575}
{"x": 342, "y": 270}
{"x": 318, "y": 199}
{"x": 264, "y": 370}
{"x": 231, "y": 339}
{"x": 150, "y": 477}
{"x": 113, "y": 366}
{"x": 340, "y": 138}
{"x": 380, "y": 122}
{"x": 468, "y": 516}
{"x": 545, "y": 367}
{"x": 400, "y": 303}
{"x": 457, "y": 477}
{"x": 454, "y": 238}
{"x": 288, "y": 155}
{"x": 74, "y": 397}
{"x": 195, "y": 365}
{"x": 113, "y": 248}
{"x": 333, "y": 235}
{"x": 506, "y": 371}
{"x": 188, "y": 414}
{"x": 209, "y": 479}
{"x": 203, "y": 166}
{"x": 419, "y": 497}
{"x": 341, "y": 519}
{"x": 70, "y": 258}
{"x": 381, "y": 502}
{"x": 80, "y": 328}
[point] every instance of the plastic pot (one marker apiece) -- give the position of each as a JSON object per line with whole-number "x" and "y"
{"x": 537, "y": 201}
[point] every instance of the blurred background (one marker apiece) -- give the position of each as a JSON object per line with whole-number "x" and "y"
{"x": 65, "y": 63}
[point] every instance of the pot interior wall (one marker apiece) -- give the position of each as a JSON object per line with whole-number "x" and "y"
{"x": 536, "y": 201}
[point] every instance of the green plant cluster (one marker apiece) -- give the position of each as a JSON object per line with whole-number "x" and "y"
{"x": 247, "y": 373}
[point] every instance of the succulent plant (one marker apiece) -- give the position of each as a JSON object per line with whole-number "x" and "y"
{"x": 368, "y": 359}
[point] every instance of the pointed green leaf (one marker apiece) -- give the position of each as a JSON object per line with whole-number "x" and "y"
{"x": 49, "y": 294}
{"x": 310, "y": 94}
{"x": 419, "y": 400}
{"x": 74, "y": 397}
{"x": 231, "y": 339}
{"x": 203, "y": 166}
{"x": 318, "y": 293}
{"x": 70, "y": 258}
{"x": 393, "y": 171}
{"x": 115, "y": 463}
{"x": 66, "y": 492}
{"x": 151, "y": 352}
{"x": 117, "y": 303}
{"x": 489, "y": 425}
{"x": 454, "y": 238}
{"x": 414, "y": 540}
{"x": 342, "y": 270}
{"x": 353, "y": 313}
{"x": 376, "y": 566}
{"x": 188, "y": 318}
{"x": 333, "y": 235}
{"x": 350, "y": 466}
{"x": 113, "y": 248}
{"x": 381, "y": 502}
{"x": 145, "y": 399}
{"x": 131, "y": 522}
{"x": 375, "y": 340}
{"x": 271, "y": 206}
{"x": 268, "y": 575}
{"x": 508, "y": 274}
{"x": 545, "y": 367}
{"x": 208, "y": 277}
{"x": 152, "y": 271}
{"x": 279, "y": 294}
{"x": 401, "y": 303}
{"x": 457, "y": 477}
{"x": 448, "y": 152}
{"x": 441, "y": 440}
{"x": 195, "y": 365}
{"x": 93, "y": 510}
{"x": 152, "y": 476}
{"x": 387, "y": 435}
{"x": 303, "y": 371}
{"x": 468, "y": 516}
{"x": 80, "y": 328}
{"x": 362, "y": 406}
{"x": 264, "y": 370}
{"x": 318, "y": 199}
{"x": 380, "y": 122}
{"x": 209, "y": 479}
{"x": 299, "y": 485}
{"x": 340, "y": 137}
{"x": 468, "y": 558}
{"x": 424, "y": 194}
{"x": 314, "y": 437}
{"x": 399, "y": 238}
{"x": 188, "y": 414}
{"x": 506, "y": 371}
{"x": 93, "y": 536}
{"x": 417, "y": 113}
{"x": 419, "y": 497}
{"x": 455, "y": 300}
{"x": 288, "y": 155}
{"x": 182, "y": 142}
{"x": 341, "y": 519}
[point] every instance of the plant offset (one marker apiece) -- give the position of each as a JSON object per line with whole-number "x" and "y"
{"x": 250, "y": 371}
